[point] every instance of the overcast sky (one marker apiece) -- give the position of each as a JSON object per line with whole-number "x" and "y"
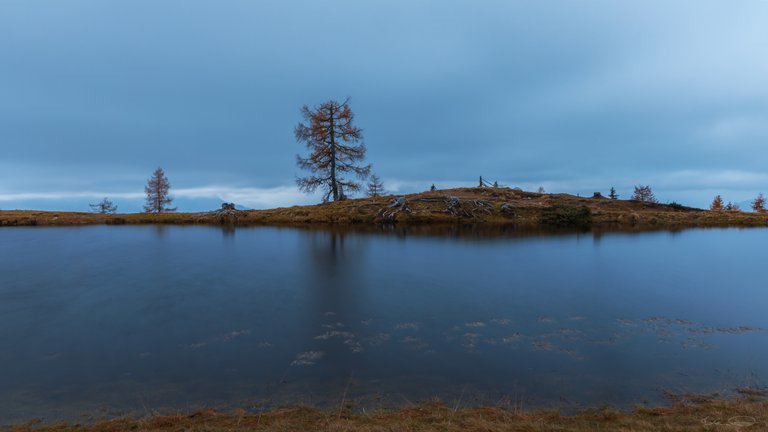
{"x": 575, "y": 96}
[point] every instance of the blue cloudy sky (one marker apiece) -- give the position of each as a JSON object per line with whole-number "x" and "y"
{"x": 576, "y": 96}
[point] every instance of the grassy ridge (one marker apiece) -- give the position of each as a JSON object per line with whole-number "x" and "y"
{"x": 692, "y": 414}
{"x": 492, "y": 206}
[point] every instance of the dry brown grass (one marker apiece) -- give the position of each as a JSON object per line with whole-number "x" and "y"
{"x": 488, "y": 206}
{"x": 704, "y": 415}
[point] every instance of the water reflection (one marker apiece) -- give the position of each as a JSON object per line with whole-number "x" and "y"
{"x": 170, "y": 316}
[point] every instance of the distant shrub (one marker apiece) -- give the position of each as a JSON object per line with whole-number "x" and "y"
{"x": 613, "y": 195}
{"x": 717, "y": 204}
{"x": 567, "y": 216}
{"x": 644, "y": 194}
{"x": 676, "y": 206}
{"x": 758, "y": 204}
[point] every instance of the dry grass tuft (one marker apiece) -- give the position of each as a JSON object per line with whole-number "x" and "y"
{"x": 703, "y": 415}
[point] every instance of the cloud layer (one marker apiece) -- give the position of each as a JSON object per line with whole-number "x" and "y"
{"x": 574, "y": 96}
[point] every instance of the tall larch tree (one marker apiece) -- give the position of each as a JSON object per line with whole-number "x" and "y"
{"x": 335, "y": 150}
{"x": 157, "y": 190}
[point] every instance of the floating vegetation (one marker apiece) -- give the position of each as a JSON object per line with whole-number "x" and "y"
{"x": 540, "y": 335}
{"x": 353, "y": 345}
{"x": 696, "y": 343}
{"x": 667, "y": 321}
{"x": 470, "y": 341}
{"x": 512, "y": 339}
{"x": 307, "y": 358}
{"x": 377, "y": 339}
{"x": 412, "y": 325}
{"x": 333, "y": 326}
{"x": 335, "y": 333}
{"x": 234, "y": 334}
{"x": 223, "y": 338}
{"x": 610, "y": 340}
{"x": 569, "y": 334}
{"x": 738, "y": 330}
{"x": 702, "y": 330}
{"x": 540, "y": 345}
{"x": 415, "y": 343}
{"x": 571, "y": 353}
{"x": 474, "y": 324}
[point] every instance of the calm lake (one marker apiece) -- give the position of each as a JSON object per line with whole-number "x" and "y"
{"x": 108, "y": 320}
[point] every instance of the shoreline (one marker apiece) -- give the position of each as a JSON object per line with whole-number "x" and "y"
{"x": 683, "y": 413}
{"x": 496, "y": 207}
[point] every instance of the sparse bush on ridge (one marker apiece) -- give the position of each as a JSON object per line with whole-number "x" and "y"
{"x": 758, "y": 204}
{"x": 717, "y": 204}
{"x": 644, "y": 194}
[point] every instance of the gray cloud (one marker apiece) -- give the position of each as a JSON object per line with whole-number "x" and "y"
{"x": 571, "y": 95}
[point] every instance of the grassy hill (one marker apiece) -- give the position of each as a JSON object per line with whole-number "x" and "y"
{"x": 492, "y": 206}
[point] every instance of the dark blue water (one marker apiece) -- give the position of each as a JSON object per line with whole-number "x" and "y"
{"x": 111, "y": 320}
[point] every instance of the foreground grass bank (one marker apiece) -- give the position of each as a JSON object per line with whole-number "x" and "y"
{"x": 492, "y": 206}
{"x": 686, "y": 414}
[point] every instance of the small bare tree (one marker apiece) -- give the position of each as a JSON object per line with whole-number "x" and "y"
{"x": 375, "y": 187}
{"x": 717, "y": 204}
{"x": 331, "y": 138}
{"x": 758, "y": 204}
{"x": 644, "y": 194}
{"x": 732, "y": 207}
{"x": 105, "y": 207}
{"x": 541, "y": 190}
{"x": 613, "y": 195}
{"x": 157, "y": 190}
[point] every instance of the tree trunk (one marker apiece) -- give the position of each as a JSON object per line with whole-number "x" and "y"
{"x": 334, "y": 186}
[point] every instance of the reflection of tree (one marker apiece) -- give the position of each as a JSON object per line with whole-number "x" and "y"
{"x": 336, "y": 273}
{"x": 228, "y": 231}
{"x": 160, "y": 230}
{"x": 336, "y": 257}
{"x": 335, "y": 279}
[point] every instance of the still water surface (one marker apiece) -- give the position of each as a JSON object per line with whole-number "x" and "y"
{"x": 111, "y": 320}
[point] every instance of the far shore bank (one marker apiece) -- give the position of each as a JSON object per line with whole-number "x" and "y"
{"x": 465, "y": 206}
{"x": 684, "y": 413}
